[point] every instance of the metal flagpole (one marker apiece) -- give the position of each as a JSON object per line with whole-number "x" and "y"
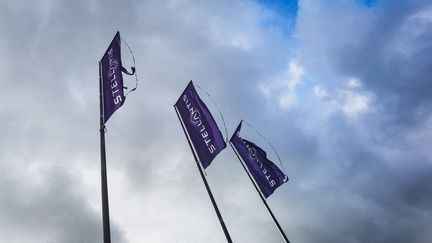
{"x": 225, "y": 230}
{"x": 261, "y": 195}
{"x": 105, "y": 208}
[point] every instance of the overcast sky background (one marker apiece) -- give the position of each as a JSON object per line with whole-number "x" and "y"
{"x": 341, "y": 88}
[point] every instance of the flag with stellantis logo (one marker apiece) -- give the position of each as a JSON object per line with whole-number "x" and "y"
{"x": 201, "y": 127}
{"x": 265, "y": 173}
{"x": 111, "y": 77}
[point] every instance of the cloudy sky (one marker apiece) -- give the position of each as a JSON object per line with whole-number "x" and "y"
{"x": 341, "y": 88}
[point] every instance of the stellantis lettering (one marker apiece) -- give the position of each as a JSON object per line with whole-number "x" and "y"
{"x": 265, "y": 173}
{"x": 111, "y": 78}
{"x": 203, "y": 133}
{"x": 195, "y": 119}
{"x": 115, "y": 88}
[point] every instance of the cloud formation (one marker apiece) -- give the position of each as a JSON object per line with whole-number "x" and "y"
{"x": 341, "y": 88}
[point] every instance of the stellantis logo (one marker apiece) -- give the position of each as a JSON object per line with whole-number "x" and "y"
{"x": 195, "y": 117}
{"x": 252, "y": 153}
{"x": 113, "y": 66}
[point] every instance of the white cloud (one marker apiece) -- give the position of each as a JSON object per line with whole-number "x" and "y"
{"x": 350, "y": 99}
{"x": 319, "y": 91}
{"x": 242, "y": 41}
{"x": 282, "y": 90}
{"x": 353, "y": 99}
{"x": 354, "y": 103}
{"x": 354, "y": 83}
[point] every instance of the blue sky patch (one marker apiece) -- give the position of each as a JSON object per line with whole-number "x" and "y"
{"x": 286, "y": 9}
{"x": 368, "y": 3}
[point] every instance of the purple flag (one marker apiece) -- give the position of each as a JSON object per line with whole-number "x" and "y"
{"x": 266, "y": 174}
{"x": 200, "y": 125}
{"x": 112, "y": 79}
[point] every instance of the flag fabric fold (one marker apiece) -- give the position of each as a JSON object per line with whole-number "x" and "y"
{"x": 111, "y": 78}
{"x": 266, "y": 174}
{"x": 203, "y": 131}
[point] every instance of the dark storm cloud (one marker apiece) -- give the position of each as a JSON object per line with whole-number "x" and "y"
{"x": 358, "y": 185}
{"x": 393, "y": 58}
{"x": 385, "y": 46}
{"x": 45, "y": 61}
{"x": 50, "y": 209}
{"x": 369, "y": 172}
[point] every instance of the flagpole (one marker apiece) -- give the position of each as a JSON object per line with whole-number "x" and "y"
{"x": 105, "y": 207}
{"x": 225, "y": 230}
{"x": 261, "y": 195}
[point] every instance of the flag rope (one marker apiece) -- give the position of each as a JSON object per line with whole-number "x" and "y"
{"x": 217, "y": 107}
{"x": 271, "y": 145}
{"x": 133, "y": 68}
